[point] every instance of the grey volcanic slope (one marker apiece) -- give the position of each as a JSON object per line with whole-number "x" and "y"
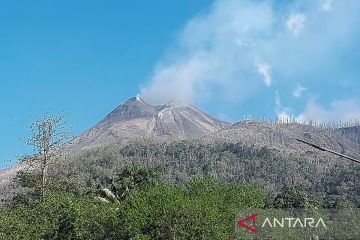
{"x": 281, "y": 136}
{"x": 6, "y": 180}
{"x": 136, "y": 119}
{"x": 351, "y": 133}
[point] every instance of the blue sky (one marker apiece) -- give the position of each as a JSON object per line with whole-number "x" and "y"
{"x": 233, "y": 58}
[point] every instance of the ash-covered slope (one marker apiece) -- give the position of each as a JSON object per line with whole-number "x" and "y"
{"x": 351, "y": 133}
{"x": 136, "y": 119}
{"x": 6, "y": 180}
{"x": 282, "y": 136}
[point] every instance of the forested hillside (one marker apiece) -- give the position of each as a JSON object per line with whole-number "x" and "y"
{"x": 190, "y": 189}
{"x": 325, "y": 178}
{"x": 166, "y": 188}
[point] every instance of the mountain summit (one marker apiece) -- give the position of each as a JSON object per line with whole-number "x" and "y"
{"x": 136, "y": 119}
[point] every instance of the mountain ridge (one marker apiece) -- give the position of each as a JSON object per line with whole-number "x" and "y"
{"x": 136, "y": 119}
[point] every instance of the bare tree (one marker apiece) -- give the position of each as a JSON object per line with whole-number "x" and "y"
{"x": 47, "y": 137}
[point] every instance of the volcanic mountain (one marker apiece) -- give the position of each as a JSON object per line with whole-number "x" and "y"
{"x": 136, "y": 119}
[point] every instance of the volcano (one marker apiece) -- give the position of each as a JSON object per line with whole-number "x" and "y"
{"x": 135, "y": 119}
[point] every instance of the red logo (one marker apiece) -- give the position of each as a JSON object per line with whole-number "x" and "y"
{"x": 251, "y": 227}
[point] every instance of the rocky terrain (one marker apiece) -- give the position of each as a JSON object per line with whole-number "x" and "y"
{"x": 135, "y": 119}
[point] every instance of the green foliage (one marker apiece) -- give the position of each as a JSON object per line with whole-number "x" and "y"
{"x": 291, "y": 197}
{"x": 205, "y": 209}
{"x": 342, "y": 203}
{"x": 132, "y": 177}
{"x": 182, "y": 204}
{"x": 28, "y": 179}
{"x": 60, "y": 216}
{"x": 31, "y": 194}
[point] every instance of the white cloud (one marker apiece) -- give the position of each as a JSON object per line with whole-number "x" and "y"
{"x": 264, "y": 70}
{"x": 295, "y": 23}
{"x": 298, "y": 91}
{"x": 282, "y": 113}
{"x": 214, "y": 54}
{"x": 326, "y": 6}
{"x": 346, "y": 110}
{"x": 179, "y": 82}
{"x": 277, "y": 100}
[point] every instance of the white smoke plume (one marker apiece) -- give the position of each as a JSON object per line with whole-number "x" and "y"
{"x": 264, "y": 70}
{"x": 217, "y": 53}
{"x": 347, "y": 110}
{"x": 298, "y": 91}
{"x": 214, "y": 55}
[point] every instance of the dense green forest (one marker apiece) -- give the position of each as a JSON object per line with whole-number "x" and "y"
{"x": 204, "y": 209}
